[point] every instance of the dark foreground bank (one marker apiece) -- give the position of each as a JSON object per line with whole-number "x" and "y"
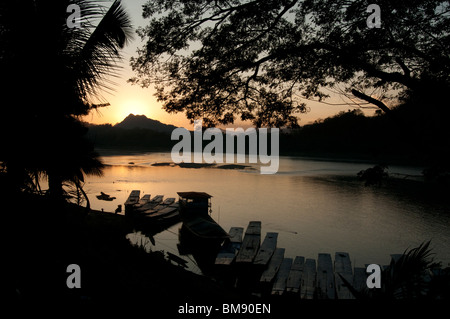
{"x": 45, "y": 238}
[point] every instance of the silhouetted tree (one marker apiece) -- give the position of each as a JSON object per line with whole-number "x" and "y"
{"x": 53, "y": 73}
{"x": 262, "y": 60}
{"x": 413, "y": 276}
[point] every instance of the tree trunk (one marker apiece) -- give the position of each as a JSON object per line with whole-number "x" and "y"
{"x": 55, "y": 188}
{"x": 88, "y": 203}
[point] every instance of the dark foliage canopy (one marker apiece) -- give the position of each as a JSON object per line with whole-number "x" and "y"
{"x": 53, "y": 74}
{"x": 262, "y": 60}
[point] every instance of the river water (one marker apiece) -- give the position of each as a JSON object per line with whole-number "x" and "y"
{"x": 316, "y": 206}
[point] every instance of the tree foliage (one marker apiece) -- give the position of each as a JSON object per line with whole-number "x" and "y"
{"x": 262, "y": 60}
{"x": 53, "y": 74}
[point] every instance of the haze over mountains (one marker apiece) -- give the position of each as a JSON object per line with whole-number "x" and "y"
{"x": 347, "y": 134}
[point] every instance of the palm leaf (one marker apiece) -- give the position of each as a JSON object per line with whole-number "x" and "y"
{"x": 96, "y": 53}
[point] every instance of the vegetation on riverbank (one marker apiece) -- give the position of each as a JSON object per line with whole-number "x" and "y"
{"x": 48, "y": 237}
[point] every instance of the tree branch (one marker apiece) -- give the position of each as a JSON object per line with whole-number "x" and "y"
{"x": 369, "y": 99}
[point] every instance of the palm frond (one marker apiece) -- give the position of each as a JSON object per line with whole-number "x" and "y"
{"x": 96, "y": 48}
{"x": 405, "y": 278}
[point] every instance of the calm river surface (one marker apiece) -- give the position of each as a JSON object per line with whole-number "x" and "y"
{"x": 316, "y": 206}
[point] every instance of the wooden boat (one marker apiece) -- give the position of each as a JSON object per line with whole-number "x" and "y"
{"x": 266, "y": 250}
{"x": 325, "y": 277}
{"x": 229, "y": 249}
{"x": 175, "y": 215}
{"x": 204, "y": 227}
{"x": 279, "y": 286}
{"x": 168, "y": 201}
{"x": 359, "y": 278}
{"x": 274, "y": 265}
{"x": 295, "y": 276}
{"x": 308, "y": 284}
{"x": 161, "y": 213}
{"x": 152, "y": 204}
{"x": 194, "y": 204}
{"x": 202, "y": 237}
{"x": 250, "y": 244}
{"x": 157, "y": 199}
{"x": 104, "y": 196}
{"x": 176, "y": 204}
{"x": 133, "y": 198}
{"x": 343, "y": 267}
{"x": 144, "y": 200}
{"x": 199, "y": 235}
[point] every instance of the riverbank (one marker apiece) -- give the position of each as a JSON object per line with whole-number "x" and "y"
{"x": 113, "y": 271}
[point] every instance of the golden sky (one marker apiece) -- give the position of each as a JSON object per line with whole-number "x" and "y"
{"x": 129, "y": 98}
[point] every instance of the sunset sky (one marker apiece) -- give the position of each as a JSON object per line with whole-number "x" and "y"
{"x": 129, "y": 98}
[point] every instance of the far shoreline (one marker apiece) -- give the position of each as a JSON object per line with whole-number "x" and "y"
{"x": 315, "y": 156}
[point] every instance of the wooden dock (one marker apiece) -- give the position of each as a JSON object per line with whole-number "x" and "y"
{"x": 250, "y": 244}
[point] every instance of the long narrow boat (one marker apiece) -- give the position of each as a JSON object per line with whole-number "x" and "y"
{"x": 359, "y": 278}
{"x": 152, "y": 204}
{"x": 133, "y": 198}
{"x": 168, "y": 201}
{"x": 343, "y": 267}
{"x": 308, "y": 284}
{"x": 157, "y": 199}
{"x": 266, "y": 250}
{"x": 144, "y": 200}
{"x": 205, "y": 227}
{"x": 202, "y": 237}
{"x": 162, "y": 212}
{"x": 295, "y": 275}
{"x": 325, "y": 277}
{"x": 174, "y": 216}
{"x": 279, "y": 286}
{"x": 274, "y": 265}
{"x": 250, "y": 244}
{"x": 229, "y": 249}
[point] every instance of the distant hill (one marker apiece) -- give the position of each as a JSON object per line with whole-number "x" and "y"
{"x": 141, "y": 121}
{"x": 135, "y": 132}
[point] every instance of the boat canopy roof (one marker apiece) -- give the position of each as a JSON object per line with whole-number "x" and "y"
{"x": 194, "y": 195}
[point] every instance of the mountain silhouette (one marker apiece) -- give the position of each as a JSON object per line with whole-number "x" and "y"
{"x": 143, "y": 122}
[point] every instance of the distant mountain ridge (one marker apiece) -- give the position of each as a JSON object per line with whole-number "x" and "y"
{"x": 141, "y": 121}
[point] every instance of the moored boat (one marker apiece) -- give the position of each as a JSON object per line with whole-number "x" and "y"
{"x": 250, "y": 244}
{"x": 230, "y": 248}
